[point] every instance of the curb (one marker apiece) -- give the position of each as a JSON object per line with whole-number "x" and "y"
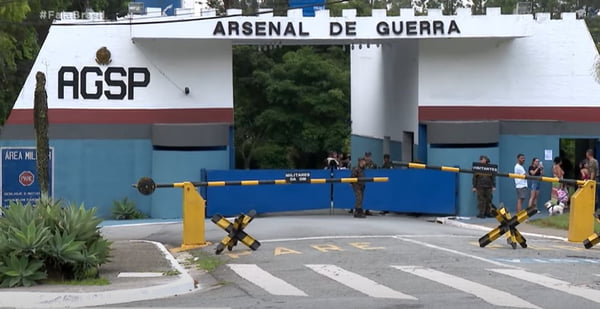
{"x": 453, "y": 222}
{"x": 182, "y": 285}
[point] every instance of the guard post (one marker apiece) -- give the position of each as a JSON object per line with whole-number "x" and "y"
{"x": 194, "y": 206}
{"x": 581, "y": 214}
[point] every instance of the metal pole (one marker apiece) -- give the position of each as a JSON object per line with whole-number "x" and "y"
{"x": 331, "y": 190}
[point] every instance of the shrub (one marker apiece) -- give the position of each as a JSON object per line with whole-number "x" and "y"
{"x": 126, "y": 210}
{"x": 50, "y": 240}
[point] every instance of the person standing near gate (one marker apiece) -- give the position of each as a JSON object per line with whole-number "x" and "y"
{"x": 520, "y": 184}
{"x": 387, "y": 162}
{"x": 483, "y": 185}
{"x": 358, "y": 188}
{"x": 593, "y": 170}
{"x": 535, "y": 169}
{"x": 368, "y": 161}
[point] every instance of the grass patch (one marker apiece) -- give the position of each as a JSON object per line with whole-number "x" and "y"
{"x": 558, "y": 222}
{"x": 91, "y": 281}
{"x": 173, "y": 272}
{"x": 206, "y": 261}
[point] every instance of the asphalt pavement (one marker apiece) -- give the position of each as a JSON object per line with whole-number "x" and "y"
{"x": 143, "y": 270}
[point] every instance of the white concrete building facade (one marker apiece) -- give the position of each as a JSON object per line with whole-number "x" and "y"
{"x": 145, "y": 94}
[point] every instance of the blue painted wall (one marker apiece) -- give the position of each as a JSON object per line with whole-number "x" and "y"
{"x": 395, "y": 151}
{"x": 98, "y": 172}
{"x": 360, "y": 144}
{"x": 531, "y": 146}
{"x": 464, "y": 158}
{"x": 421, "y": 153}
{"x": 170, "y": 166}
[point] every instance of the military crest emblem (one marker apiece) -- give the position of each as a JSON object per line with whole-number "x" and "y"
{"x": 103, "y": 56}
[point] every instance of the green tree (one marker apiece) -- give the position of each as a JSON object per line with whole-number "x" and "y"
{"x": 478, "y": 7}
{"x": 363, "y": 7}
{"x": 394, "y": 6}
{"x": 308, "y": 96}
{"x": 250, "y": 100}
{"x": 448, "y": 6}
{"x": 18, "y": 47}
{"x": 506, "y": 6}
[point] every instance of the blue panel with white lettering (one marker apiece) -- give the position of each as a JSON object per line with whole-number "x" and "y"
{"x": 19, "y": 175}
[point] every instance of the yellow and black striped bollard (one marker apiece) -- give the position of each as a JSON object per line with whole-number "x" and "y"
{"x": 235, "y": 232}
{"x": 508, "y": 225}
{"x": 593, "y": 239}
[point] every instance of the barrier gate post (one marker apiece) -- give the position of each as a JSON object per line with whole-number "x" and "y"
{"x": 193, "y": 207}
{"x": 581, "y": 215}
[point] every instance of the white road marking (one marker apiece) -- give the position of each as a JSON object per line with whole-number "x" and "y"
{"x": 490, "y": 295}
{"x": 357, "y": 282}
{"x": 559, "y": 285}
{"x": 265, "y": 280}
{"x": 139, "y": 275}
{"x": 361, "y": 237}
{"x": 428, "y": 245}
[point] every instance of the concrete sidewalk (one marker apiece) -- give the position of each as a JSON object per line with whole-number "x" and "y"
{"x": 138, "y": 270}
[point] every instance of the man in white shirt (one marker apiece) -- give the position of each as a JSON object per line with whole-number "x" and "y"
{"x": 520, "y": 184}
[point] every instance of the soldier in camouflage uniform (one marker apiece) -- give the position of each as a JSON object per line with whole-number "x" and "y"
{"x": 483, "y": 185}
{"x": 368, "y": 161}
{"x": 358, "y": 188}
{"x": 387, "y": 163}
{"x": 370, "y": 165}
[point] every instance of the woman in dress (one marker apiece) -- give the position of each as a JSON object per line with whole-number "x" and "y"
{"x": 559, "y": 173}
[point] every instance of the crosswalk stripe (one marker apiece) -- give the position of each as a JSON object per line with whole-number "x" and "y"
{"x": 265, "y": 280}
{"x": 559, "y": 285}
{"x": 490, "y": 295}
{"x": 357, "y": 282}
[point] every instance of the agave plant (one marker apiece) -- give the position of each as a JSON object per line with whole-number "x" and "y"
{"x": 125, "y": 210}
{"x": 63, "y": 249}
{"x": 27, "y": 241}
{"x": 21, "y": 271}
{"x": 18, "y": 215}
{"x": 50, "y": 239}
{"x": 81, "y": 222}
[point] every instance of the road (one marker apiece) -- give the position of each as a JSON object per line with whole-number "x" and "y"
{"x": 383, "y": 262}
